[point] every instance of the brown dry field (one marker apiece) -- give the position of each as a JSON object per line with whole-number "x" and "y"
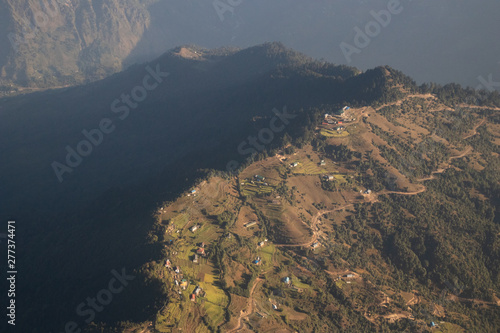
{"x": 294, "y": 315}
{"x": 235, "y": 273}
{"x": 308, "y": 191}
{"x": 217, "y": 192}
{"x": 338, "y": 217}
{"x": 382, "y": 122}
{"x": 246, "y": 215}
{"x": 237, "y": 304}
{"x": 295, "y": 230}
{"x": 494, "y": 129}
{"x": 265, "y": 168}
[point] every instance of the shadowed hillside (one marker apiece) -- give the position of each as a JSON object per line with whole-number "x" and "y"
{"x": 97, "y": 176}
{"x": 79, "y": 195}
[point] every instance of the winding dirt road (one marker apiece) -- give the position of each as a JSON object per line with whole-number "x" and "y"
{"x": 474, "y": 130}
{"x": 250, "y": 303}
{"x": 466, "y": 152}
{"x": 249, "y": 307}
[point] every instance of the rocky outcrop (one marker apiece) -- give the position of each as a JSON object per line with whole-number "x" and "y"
{"x": 63, "y": 42}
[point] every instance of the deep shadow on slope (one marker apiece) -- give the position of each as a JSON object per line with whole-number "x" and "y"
{"x": 72, "y": 234}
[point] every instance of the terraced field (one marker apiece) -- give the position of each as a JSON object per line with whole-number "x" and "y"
{"x": 302, "y": 209}
{"x": 249, "y": 189}
{"x": 180, "y": 221}
{"x": 308, "y": 167}
{"x": 215, "y": 302}
{"x": 266, "y": 253}
{"x": 333, "y": 134}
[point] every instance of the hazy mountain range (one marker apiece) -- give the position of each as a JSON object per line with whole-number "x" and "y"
{"x": 55, "y": 42}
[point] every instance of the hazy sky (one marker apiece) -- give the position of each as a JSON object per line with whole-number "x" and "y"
{"x": 431, "y": 40}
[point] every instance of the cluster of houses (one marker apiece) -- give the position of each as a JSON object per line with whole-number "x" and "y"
{"x": 340, "y": 129}
{"x": 182, "y": 283}
{"x": 259, "y": 179}
{"x": 170, "y": 227}
{"x": 330, "y": 121}
{"x": 199, "y": 252}
{"x": 198, "y": 291}
{"x": 257, "y": 261}
{"x": 338, "y": 117}
{"x": 178, "y": 276}
{"x": 366, "y": 192}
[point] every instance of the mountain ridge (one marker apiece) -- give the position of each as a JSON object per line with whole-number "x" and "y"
{"x": 100, "y": 217}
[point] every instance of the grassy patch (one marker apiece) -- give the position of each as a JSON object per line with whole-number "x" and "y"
{"x": 340, "y": 178}
{"x": 449, "y": 327}
{"x": 296, "y": 282}
{"x": 180, "y": 220}
{"x": 333, "y": 134}
{"x": 266, "y": 253}
{"x": 249, "y": 189}
{"x": 209, "y": 278}
{"x": 169, "y": 317}
{"x": 215, "y": 302}
{"x": 340, "y": 283}
{"x": 308, "y": 167}
{"x": 207, "y": 233}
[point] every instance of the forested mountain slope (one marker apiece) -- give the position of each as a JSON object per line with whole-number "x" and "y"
{"x": 89, "y": 204}
{"x": 386, "y": 222}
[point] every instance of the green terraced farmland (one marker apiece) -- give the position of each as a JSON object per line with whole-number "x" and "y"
{"x": 215, "y": 302}
{"x": 249, "y": 189}
{"x": 266, "y": 253}
{"x": 333, "y": 134}
{"x": 308, "y": 167}
{"x": 180, "y": 220}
